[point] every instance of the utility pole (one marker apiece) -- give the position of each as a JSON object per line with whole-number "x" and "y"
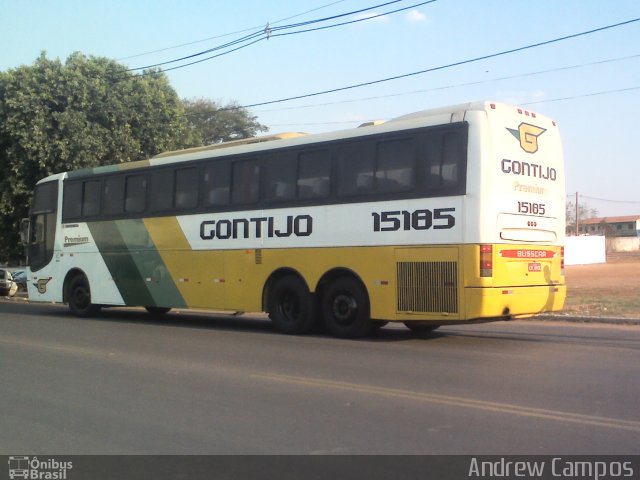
{"x": 577, "y": 221}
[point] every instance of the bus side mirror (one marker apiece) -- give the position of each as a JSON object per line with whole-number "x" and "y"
{"x": 24, "y": 231}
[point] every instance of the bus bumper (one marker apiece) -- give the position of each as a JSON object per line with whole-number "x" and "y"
{"x": 513, "y": 301}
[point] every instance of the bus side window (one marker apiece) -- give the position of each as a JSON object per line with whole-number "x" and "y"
{"x": 135, "y": 194}
{"x": 91, "y": 198}
{"x": 314, "y": 175}
{"x": 450, "y": 158}
{"x": 395, "y": 166}
{"x": 216, "y": 181}
{"x": 161, "y": 191}
{"x": 280, "y": 178}
{"x": 186, "y": 188}
{"x": 356, "y": 163}
{"x": 246, "y": 182}
{"x": 445, "y": 157}
{"x": 113, "y": 195}
{"x": 72, "y": 202}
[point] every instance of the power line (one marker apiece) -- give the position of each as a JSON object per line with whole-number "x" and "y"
{"x": 634, "y": 202}
{"x": 250, "y": 29}
{"x": 584, "y": 95}
{"x": 552, "y": 100}
{"x": 271, "y": 102}
{"x": 270, "y": 35}
{"x": 457, "y": 85}
{"x": 266, "y": 33}
{"x": 443, "y": 67}
{"x": 355, "y": 21}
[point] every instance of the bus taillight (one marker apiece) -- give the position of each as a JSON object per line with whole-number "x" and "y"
{"x": 486, "y": 260}
{"x": 561, "y": 260}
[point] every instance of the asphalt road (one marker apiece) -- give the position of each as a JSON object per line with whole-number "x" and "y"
{"x": 194, "y": 383}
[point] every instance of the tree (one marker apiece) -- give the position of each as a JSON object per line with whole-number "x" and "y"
{"x": 584, "y": 212}
{"x": 211, "y": 123}
{"x": 86, "y": 112}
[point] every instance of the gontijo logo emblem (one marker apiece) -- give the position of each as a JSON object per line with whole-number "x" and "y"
{"x": 528, "y": 135}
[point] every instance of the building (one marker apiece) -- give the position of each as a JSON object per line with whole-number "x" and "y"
{"x": 628, "y": 226}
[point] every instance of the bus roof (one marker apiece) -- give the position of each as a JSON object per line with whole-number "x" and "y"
{"x": 438, "y": 116}
{"x": 232, "y": 143}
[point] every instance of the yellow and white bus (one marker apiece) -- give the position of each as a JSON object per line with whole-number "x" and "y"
{"x": 438, "y": 217}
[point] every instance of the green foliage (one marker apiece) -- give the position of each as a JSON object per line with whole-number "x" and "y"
{"x": 584, "y": 212}
{"x": 211, "y": 123}
{"x": 86, "y": 112}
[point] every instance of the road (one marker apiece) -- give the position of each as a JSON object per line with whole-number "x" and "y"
{"x": 194, "y": 383}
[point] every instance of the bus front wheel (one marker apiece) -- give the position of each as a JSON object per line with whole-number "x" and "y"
{"x": 291, "y": 306}
{"x": 79, "y": 297}
{"x": 345, "y": 309}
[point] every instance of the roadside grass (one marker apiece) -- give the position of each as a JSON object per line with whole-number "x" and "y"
{"x": 603, "y": 302}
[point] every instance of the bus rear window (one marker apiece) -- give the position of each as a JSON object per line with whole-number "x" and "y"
{"x": 446, "y": 156}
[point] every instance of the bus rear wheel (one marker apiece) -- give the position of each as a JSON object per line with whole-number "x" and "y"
{"x": 345, "y": 309}
{"x": 79, "y": 297}
{"x": 291, "y": 307}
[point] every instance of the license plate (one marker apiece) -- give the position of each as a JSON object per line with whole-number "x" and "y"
{"x": 535, "y": 267}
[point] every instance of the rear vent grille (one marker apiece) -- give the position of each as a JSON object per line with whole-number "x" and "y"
{"x": 430, "y": 287}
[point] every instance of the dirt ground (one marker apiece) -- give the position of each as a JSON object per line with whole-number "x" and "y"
{"x": 607, "y": 289}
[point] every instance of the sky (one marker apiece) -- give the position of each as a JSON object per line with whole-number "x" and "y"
{"x": 590, "y": 84}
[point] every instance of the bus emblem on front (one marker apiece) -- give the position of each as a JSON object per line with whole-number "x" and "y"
{"x": 528, "y": 135}
{"x": 42, "y": 285}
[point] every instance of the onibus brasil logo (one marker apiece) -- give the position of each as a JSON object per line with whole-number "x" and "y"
{"x": 36, "y": 469}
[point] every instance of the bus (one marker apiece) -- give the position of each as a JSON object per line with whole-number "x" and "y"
{"x": 437, "y": 217}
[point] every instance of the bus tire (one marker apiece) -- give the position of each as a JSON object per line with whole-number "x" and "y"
{"x": 421, "y": 327}
{"x": 378, "y": 324}
{"x": 157, "y": 311}
{"x": 79, "y": 297}
{"x": 291, "y": 306}
{"x": 345, "y": 309}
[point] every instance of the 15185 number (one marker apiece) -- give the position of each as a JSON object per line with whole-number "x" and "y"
{"x": 531, "y": 208}
{"x": 438, "y": 219}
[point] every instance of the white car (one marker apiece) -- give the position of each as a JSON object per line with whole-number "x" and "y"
{"x": 7, "y": 286}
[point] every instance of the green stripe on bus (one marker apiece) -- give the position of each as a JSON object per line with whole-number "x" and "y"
{"x": 122, "y": 268}
{"x": 149, "y": 263}
{"x": 135, "y": 265}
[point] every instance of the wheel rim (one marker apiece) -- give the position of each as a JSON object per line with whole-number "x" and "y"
{"x": 81, "y": 297}
{"x": 289, "y": 306}
{"x": 344, "y": 309}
